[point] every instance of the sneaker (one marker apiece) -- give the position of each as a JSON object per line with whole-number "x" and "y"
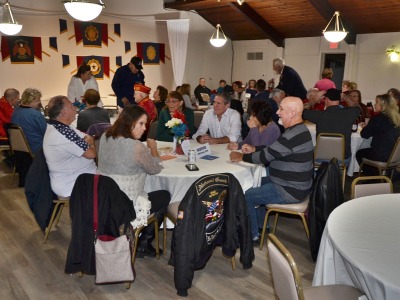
{"x": 256, "y": 240}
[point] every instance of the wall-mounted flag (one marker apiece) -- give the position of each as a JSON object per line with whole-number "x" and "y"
{"x": 118, "y": 61}
{"x": 65, "y": 60}
{"x": 21, "y": 49}
{"x": 92, "y": 34}
{"x": 117, "y": 29}
{"x": 53, "y": 43}
{"x": 99, "y": 65}
{"x": 63, "y": 26}
{"x": 127, "y": 46}
{"x": 151, "y": 53}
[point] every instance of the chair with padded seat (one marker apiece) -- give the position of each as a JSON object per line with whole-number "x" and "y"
{"x": 153, "y": 130}
{"x": 298, "y": 209}
{"x": 198, "y": 116}
{"x": 96, "y": 131}
{"x": 372, "y": 188}
{"x": 287, "y": 280}
{"x": 391, "y": 164}
{"x": 59, "y": 204}
{"x": 331, "y": 145}
{"x": 18, "y": 142}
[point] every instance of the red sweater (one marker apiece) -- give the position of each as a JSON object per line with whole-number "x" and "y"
{"x": 6, "y": 111}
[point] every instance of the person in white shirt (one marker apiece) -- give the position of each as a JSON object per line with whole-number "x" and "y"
{"x": 221, "y": 121}
{"x": 68, "y": 151}
{"x": 80, "y": 83}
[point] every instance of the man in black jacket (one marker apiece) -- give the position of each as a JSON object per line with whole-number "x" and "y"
{"x": 290, "y": 81}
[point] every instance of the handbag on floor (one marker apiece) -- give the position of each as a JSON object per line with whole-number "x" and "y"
{"x": 113, "y": 255}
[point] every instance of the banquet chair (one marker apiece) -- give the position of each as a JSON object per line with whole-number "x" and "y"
{"x": 18, "y": 142}
{"x": 205, "y": 97}
{"x": 96, "y": 131}
{"x": 135, "y": 241}
{"x": 297, "y": 209}
{"x": 111, "y": 109}
{"x": 59, "y": 204}
{"x": 373, "y": 188}
{"x": 5, "y": 148}
{"x": 153, "y": 130}
{"x": 330, "y": 145}
{"x": 198, "y": 116}
{"x": 383, "y": 166}
{"x": 287, "y": 280}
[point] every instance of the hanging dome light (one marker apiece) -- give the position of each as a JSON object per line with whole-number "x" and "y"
{"x": 84, "y": 10}
{"x": 218, "y": 39}
{"x": 8, "y": 25}
{"x": 338, "y": 33}
{"x": 393, "y": 53}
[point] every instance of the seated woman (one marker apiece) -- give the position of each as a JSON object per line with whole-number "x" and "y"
{"x": 92, "y": 114}
{"x": 80, "y": 83}
{"x": 384, "y": 128}
{"x": 175, "y": 107}
{"x": 159, "y": 98}
{"x": 251, "y": 89}
{"x": 185, "y": 91}
{"x": 355, "y": 100}
{"x": 128, "y": 161}
{"x": 263, "y": 131}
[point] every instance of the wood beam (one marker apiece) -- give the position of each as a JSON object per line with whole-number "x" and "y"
{"x": 326, "y": 10}
{"x": 254, "y": 18}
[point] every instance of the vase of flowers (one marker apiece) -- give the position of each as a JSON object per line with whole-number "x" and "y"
{"x": 179, "y": 129}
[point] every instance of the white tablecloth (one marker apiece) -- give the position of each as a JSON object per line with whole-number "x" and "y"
{"x": 176, "y": 179}
{"x": 357, "y": 143}
{"x": 361, "y": 247}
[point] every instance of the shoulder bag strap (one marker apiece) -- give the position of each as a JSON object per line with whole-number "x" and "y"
{"x": 95, "y": 204}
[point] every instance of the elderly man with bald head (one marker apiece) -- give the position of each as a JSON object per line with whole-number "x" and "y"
{"x": 289, "y": 161}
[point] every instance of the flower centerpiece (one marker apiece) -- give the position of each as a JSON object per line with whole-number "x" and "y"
{"x": 179, "y": 129}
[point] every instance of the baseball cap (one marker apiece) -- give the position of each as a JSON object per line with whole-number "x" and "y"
{"x": 137, "y": 61}
{"x": 333, "y": 94}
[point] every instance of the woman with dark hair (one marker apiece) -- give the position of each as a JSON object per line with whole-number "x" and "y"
{"x": 80, "y": 83}
{"x": 355, "y": 100}
{"x": 251, "y": 89}
{"x": 159, "y": 98}
{"x": 175, "y": 107}
{"x": 384, "y": 128}
{"x": 185, "y": 91}
{"x": 263, "y": 131}
{"x": 128, "y": 161}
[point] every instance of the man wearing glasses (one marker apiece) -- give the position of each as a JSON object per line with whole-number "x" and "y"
{"x": 222, "y": 123}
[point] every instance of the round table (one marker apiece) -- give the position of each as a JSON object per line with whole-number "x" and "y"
{"x": 176, "y": 179}
{"x": 361, "y": 247}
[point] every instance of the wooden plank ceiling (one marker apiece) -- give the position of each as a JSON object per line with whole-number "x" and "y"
{"x": 280, "y": 19}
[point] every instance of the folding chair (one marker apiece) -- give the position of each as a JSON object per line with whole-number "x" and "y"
{"x": 373, "y": 188}
{"x": 59, "y": 204}
{"x": 153, "y": 130}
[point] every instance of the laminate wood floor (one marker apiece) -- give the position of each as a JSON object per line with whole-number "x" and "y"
{"x": 33, "y": 270}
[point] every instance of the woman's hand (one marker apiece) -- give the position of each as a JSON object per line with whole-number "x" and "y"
{"x": 152, "y": 144}
{"x": 232, "y": 146}
{"x": 251, "y": 123}
{"x": 236, "y": 156}
{"x": 246, "y": 148}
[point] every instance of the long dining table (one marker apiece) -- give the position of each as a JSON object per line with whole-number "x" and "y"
{"x": 360, "y": 246}
{"x": 176, "y": 179}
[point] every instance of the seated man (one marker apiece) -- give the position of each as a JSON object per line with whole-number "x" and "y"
{"x": 335, "y": 119}
{"x": 7, "y": 103}
{"x": 315, "y": 99}
{"x": 201, "y": 89}
{"x": 290, "y": 161}
{"x": 223, "y": 123}
{"x": 68, "y": 151}
{"x": 92, "y": 114}
{"x": 142, "y": 99}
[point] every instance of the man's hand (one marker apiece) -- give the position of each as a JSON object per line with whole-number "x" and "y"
{"x": 246, "y": 148}
{"x": 232, "y": 146}
{"x": 125, "y": 101}
{"x": 204, "y": 139}
{"x": 236, "y": 156}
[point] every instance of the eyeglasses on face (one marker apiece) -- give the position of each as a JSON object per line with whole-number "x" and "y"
{"x": 171, "y": 101}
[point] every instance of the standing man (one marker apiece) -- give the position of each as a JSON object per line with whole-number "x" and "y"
{"x": 68, "y": 151}
{"x": 124, "y": 80}
{"x": 201, "y": 88}
{"x": 223, "y": 123}
{"x": 290, "y": 161}
{"x": 335, "y": 118}
{"x": 290, "y": 81}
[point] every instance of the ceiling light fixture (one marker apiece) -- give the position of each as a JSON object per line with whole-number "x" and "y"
{"x": 218, "y": 38}
{"x": 84, "y": 10}
{"x": 241, "y": 1}
{"x": 8, "y": 25}
{"x": 338, "y": 33}
{"x": 393, "y": 53}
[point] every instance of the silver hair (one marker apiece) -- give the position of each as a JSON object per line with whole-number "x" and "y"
{"x": 275, "y": 92}
{"x": 279, "y": 62}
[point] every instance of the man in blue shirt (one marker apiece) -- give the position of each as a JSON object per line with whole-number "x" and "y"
{"x": 125, "y": 78}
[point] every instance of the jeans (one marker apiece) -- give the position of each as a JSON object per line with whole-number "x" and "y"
{"x": 263, "y": 195}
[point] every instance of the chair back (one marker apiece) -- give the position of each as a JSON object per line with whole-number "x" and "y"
{"x": 286, "y": 278}
{"x": 17, "y": 139}
{"x": 395, "y": 155}
{"x": 198, "y": 116}
{"x": 111, "y": 109}
{"x": 330, "y": 145}
{"x": 205, "y": 97}
{"x": 97, "y": 130}
{"x": 373, "y": 188}
{"x": 153, "y": 130}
